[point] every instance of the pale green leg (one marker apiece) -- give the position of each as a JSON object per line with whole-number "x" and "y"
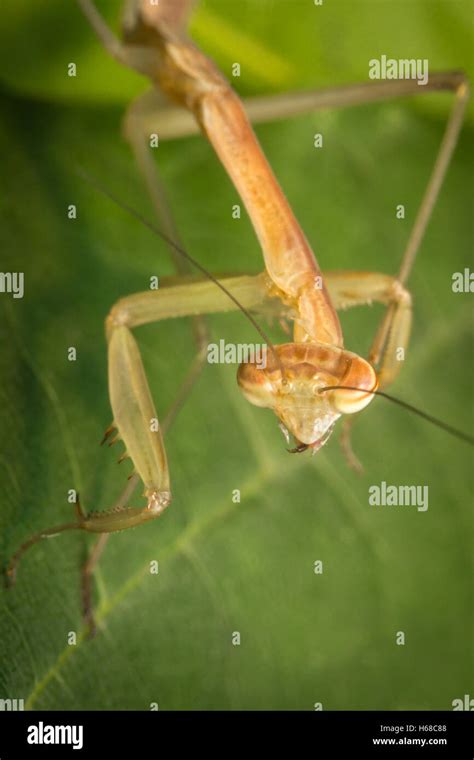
{"x": 133, "y": 409}
{"x": 348, "y": 289}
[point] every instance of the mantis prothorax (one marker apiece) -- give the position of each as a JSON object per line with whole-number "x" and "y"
{"x": 309, "y": 382}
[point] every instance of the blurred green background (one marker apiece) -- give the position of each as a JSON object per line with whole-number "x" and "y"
{"x": 227, "y": 567}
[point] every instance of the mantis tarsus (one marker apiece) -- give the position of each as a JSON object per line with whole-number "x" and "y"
{"x": 309, "y": 382}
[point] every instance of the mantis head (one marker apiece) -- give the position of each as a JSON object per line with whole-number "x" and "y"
{"x": 291, "y": 384}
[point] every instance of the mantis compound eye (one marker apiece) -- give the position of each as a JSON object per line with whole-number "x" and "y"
{"x": 361, "y": 381}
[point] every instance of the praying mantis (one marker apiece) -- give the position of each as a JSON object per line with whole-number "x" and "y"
{"x": 311, "y": 381}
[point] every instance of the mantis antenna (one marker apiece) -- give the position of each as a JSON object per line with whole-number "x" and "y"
{"x": 154, "y": 228}
{"x": 424, "y": 415}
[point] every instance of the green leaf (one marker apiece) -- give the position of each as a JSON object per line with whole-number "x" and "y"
{"x": 225, "y": 566}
